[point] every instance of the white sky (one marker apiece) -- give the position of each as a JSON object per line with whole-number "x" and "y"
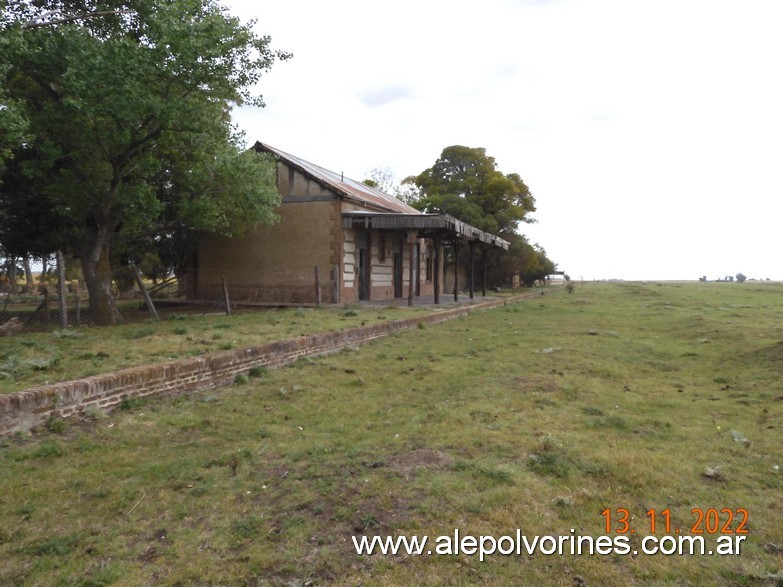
{"x": 649, "y": 131}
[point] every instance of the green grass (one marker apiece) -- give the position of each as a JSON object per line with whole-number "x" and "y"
{"x": 30, "y": 359}
{"x": 537, "y": 416}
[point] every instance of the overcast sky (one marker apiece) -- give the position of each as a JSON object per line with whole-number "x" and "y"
{"x": 649, "y": 131}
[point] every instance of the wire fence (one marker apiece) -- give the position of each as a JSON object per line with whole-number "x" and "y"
{"x": 48, "y": 301}
{"x": 45, "y": 310}
{"x": 53, "y": 299}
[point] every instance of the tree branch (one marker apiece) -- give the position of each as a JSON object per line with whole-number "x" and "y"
{"x": 35, "y": 24}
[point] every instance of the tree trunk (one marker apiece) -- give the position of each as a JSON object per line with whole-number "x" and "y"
{"x": 28, "y": 275}
{"x": 98, "y": 277}
{"x": 12, "y": 275}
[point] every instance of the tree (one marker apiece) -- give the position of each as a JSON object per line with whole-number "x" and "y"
{"x": 528, "y": 261}
{"x": 465, "y": 183}
{"x": 741, "y": 277}
{"x": 381, "y": 178}
{"x": 125, "y": 114}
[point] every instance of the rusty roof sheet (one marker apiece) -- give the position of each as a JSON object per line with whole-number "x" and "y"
{"x": 344, "y": 186}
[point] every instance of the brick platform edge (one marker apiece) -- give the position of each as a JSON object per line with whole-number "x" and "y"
{"x": 24, "y": 410}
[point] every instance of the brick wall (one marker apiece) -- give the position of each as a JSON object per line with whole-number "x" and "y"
{"x": 19, "y": 412}
{"x": 273, "y": 263}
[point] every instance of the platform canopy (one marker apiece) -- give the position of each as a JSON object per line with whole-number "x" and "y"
{"x": 443, "y": 226}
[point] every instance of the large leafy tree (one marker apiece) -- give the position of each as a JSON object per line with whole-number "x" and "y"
{"x": 465, "y": 183}
{"x": 118, "y": 128}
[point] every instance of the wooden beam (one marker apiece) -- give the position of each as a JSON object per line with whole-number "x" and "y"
{"x": 61, "y": 290}
{"x": 484, "y": 275}
{"x": 145, "y": 293}
{"x": 436, "y": 271}
{"x": 336, "y": 281}
{"x": 472, "y": 247}
{"x": 411, "y": 252}
{"x": 226, "y": 301}
{"x": 317, "y": 285}
{"x": 456, "y": 271}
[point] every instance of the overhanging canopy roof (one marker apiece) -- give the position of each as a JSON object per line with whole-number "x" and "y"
{"x": 448, "y": 226}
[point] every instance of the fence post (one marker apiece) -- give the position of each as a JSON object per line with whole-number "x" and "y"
{"x": 61, "y": 290}
{"x": 78, "y": 304}
{"x": 45, "y": 303}
{"x": 144, "y": 292}
{"x": 317, "y": 286}
{"x": 336, "y": 279}
{"x": 225, "y": 297}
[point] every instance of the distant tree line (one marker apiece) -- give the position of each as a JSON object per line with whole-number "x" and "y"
{"x": 740, "y": 277}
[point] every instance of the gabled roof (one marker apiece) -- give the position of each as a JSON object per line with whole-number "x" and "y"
{"x": 383, "y": 210}
{"x": 343, "y": 186}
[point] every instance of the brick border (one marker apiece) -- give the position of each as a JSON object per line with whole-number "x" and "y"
{"x": 24, "y": 410}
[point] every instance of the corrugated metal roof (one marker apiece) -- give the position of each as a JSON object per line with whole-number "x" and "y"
{"x": 344, "y": 186}
{"x": 390, "y": 213}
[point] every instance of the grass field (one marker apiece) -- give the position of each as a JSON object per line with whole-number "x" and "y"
{"x": 37, "y": 358}
{"x": 538, "y": 416}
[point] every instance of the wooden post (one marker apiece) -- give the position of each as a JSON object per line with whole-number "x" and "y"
{"x": 484, "y": 275}
{"x": 317, "y": 285}
{"x": 411, "y": 252}
{"x": 472, "y": 247}
{"x": 78, "y": 304}
{"x": 456, "y": 271}
{"x": 436, "y": 271}
{"x": 144, "y": 292}
{"x": 61, "y": 290}
{"x": 225, "y": 297}
{"x": 46, "y": 302}
{"x": 336, "y": 280}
